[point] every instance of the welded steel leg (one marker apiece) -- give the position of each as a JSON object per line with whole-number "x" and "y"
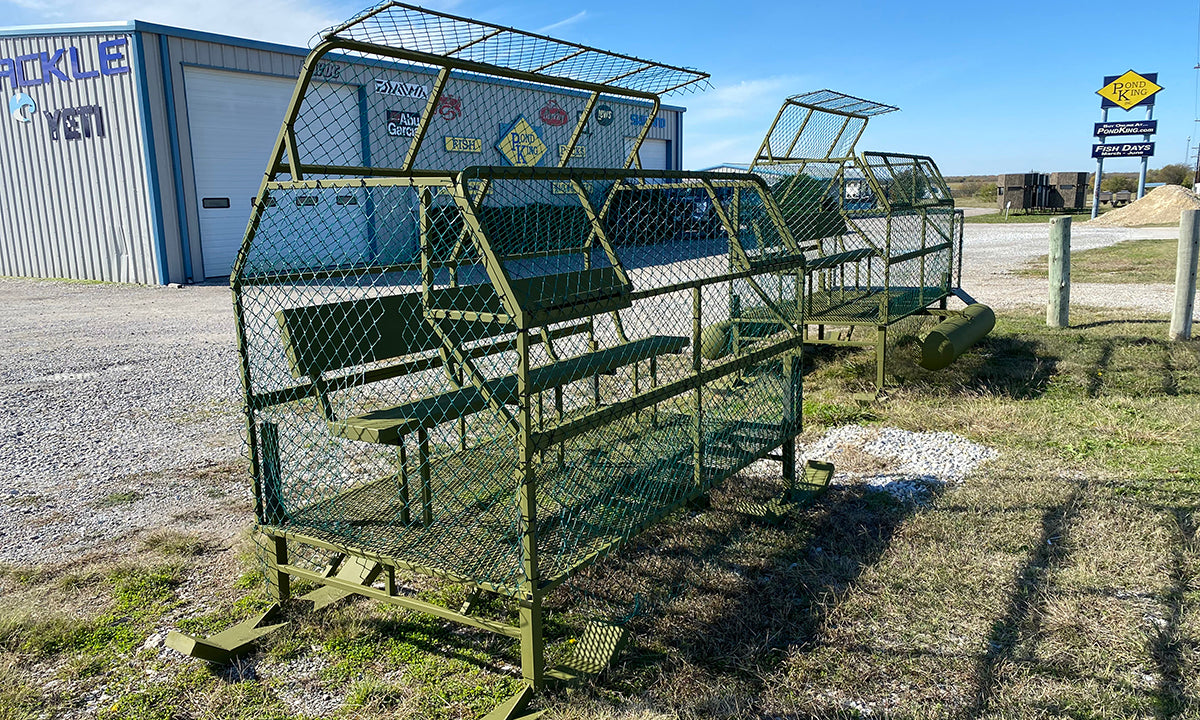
{"x": 541, "y": 421}
{"x": 698, "y": 427}
{"x": 272, "y": 478}
{"x": 654, "y": 384}
{"x": 880, "y": 344}
{"x": 533, "y": 648}
{"x": 558, "y": 408}
{"x": 533, "y": 661}
{"x": 405, "y": 514}
{"x": 791, "y": 411}
{"x": 279, "y": 583}
{"x": 426, "y": 480}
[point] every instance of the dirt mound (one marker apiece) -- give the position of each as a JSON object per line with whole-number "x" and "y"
{"x": 1161, "y": 205}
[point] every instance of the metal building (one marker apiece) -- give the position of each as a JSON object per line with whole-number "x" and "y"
{"x": 132, "y": 151}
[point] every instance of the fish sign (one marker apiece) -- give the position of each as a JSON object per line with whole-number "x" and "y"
{"x": 1123, "y": 150}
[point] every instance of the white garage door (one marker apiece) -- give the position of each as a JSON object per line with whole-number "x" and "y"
{"x": 652, "y": 154}
{"x": 234, "y": 119}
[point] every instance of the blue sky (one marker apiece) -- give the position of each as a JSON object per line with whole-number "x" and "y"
{"x": 983, "y": 87}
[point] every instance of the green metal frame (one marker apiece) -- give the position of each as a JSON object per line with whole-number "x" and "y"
{"x": 531, "y": 440}
{"x": 837, "y": 295}
{"x": 521, "y": 309}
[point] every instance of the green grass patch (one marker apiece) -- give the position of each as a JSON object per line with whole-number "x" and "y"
{"x": 1131, "y": 261}
{"x": 175, "y": 542}
{"x": 116, "y": 499}
{"x": 1015, "y": 217}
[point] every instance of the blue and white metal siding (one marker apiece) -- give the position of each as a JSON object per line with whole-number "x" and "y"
{"x": 185, "y": 52}
{"x": 124, "y": 207}
{"x": 76, "y": 208}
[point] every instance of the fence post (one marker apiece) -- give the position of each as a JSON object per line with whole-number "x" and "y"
{"x": 1058, "y": 308}
{"x": 1185, "y": 276}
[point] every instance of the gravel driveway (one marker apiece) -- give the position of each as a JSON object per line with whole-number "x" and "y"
{"x": 991, "y": 252}
{"x": 119, "y": 404}
{"x": 118, "y": 413}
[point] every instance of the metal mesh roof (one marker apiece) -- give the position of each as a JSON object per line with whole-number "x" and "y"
{"x": 832, "y": 101}
{"x": 397, "y": 25}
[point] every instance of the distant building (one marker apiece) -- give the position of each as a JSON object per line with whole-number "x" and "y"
{"x": 1041, "y": 191}
{"x": 133, "y": 151}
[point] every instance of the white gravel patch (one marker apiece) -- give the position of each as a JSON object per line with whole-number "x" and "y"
{"x": 992, "y": 252}
{"x": 910, "y": 466}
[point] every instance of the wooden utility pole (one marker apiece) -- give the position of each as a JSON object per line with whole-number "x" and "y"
{"x": 1185, "y": 276}
{"x": 1058, "y": 308}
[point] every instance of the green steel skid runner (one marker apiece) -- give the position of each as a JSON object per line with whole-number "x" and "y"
{"x": 470, "y": 325}
{"x": 882, "y": 237}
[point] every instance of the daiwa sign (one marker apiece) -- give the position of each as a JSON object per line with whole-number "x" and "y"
{"x": 65, "y": 64}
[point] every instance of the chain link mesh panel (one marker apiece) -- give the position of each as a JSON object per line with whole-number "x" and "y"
{"x": 878, "y": 230}
{"x": 472, "y": 351}
{"x": 386, "y": 397}
{"x": 394, "y": 24}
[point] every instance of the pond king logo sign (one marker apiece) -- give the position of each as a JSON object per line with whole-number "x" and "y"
{"x": 520, "y": 144}
{"x": 1129, "y": 90}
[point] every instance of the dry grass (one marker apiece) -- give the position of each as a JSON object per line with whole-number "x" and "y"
{"x": 1062, "y": 579}
{"x": 1132, "y": 261}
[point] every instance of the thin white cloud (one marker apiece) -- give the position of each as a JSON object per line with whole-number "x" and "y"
{"x": 293, "y": 22}
{"x": 703, "y": 151}
{"x": 730, "y": 101}
{"x": 562, "y": 23}
{"x": 727, "y": 124}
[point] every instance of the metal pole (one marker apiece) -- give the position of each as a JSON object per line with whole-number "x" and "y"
{"x": 1058, "y": 307}
{"x": 1185, "y": 276}
{"x": 1145, "y": 158}
{"x": 1196, "y": 173}
{"x": 1099, "y": 172}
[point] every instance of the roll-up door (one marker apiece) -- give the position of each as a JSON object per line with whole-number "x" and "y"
{"x": 234, "y": 119}
{"x": 652, "y": 154}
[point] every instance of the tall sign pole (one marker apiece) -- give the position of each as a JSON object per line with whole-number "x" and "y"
{"x": 1145, "y": 158}
{"x": 1126, "y": 92}
{"x": 1099, "y": 170}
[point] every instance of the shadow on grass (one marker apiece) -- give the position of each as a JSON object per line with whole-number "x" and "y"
{"x": 1095, "y": 378}
{"x": 1106, "y": 323}
{"x": 1024, "y": 614}
{"x": 716, "y": 601}
{"x": 1168, "y": 647}
{"x": 1002, "y": 366}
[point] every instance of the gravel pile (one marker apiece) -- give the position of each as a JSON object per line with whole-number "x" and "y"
{"x": 1160, "y": 205}
{"x": 910, "y": 466}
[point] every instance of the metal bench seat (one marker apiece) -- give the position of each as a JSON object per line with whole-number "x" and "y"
{"x": 388, "y": 426}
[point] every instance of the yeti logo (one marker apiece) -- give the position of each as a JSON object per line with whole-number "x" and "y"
{"x": 22, "y": 107}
